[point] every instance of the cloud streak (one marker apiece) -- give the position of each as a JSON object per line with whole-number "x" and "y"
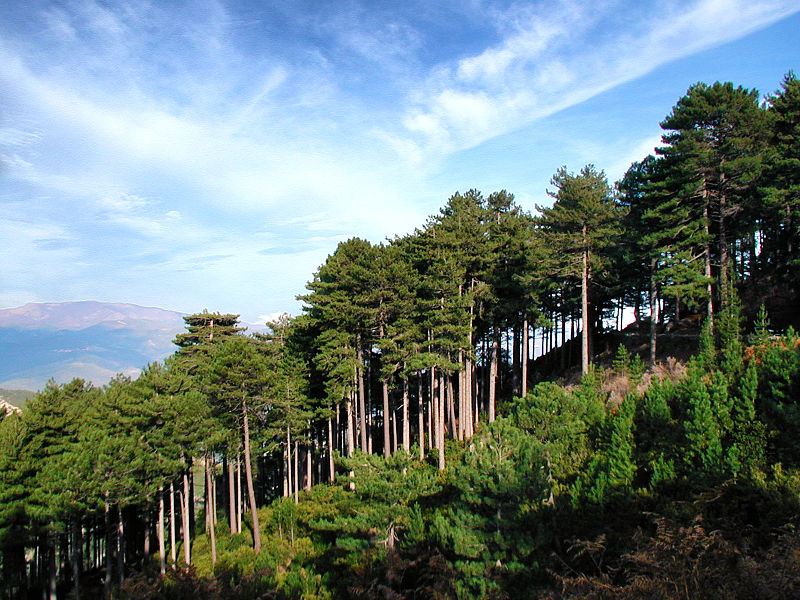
{"x": 559, "y": 55}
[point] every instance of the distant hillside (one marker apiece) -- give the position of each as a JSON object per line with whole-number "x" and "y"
{"x": 16, "y": 398}
{"x": 90, "y": 340}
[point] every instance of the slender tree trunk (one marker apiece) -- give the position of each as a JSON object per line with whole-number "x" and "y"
{"x": 231, "y": 497}
{"x": 585, "y": 306}
{"x": 172, "y": 536}
{"x": 394, "y": 431}
{"x": 186, "y": 521}
{"x": 109, "y": 537}
{"x": 709, "y": 285}
{"x": 52, "y": 567}
{"x": 362, "y": 406}
{"x": 309, "y": 457}
{"x": 369, "y": 404}
{"x": 287, "y": 481}
{"x": 77, "y": 556}
{"x": 162, "y": 547}
{"x": 420, "y": 417}
{"x": 120, "y": 547}
{"x": 191, "y": 506}
{"x": 206, "y": 497}
{"x": 431, "y": 404}
{"x": 213, "y": 494}
{"x": 239, "y": 501}
{"x": 440, "y": 408}
{"x": 337, "y": 427}
{"x": 249, "y": 474}
{"x": 515, "y": 360}
{"x": 350, "y": 436}
{"x": 493, "y": 359}
{"x": 653, "y": 311}
{"x": 296, "y": 468}
{"x": 469, "y": 421}
{"x": 331, "y": 471}
{"x": 451, "y": 413}
{"x": 724, "y": 255}
{"x": 387, "y": 444}
{"x": 147, "y": 526}
{"x": 459, "y": 430}
{"x": 524, "y": 357}
{"x": 406, "y": 424}
{"x": 212, "y": 533}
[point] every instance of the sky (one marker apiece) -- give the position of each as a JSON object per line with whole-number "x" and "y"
{"x": 211, "y": 155}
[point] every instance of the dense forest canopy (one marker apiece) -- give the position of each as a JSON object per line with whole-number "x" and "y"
{"x": 404, "y": 437}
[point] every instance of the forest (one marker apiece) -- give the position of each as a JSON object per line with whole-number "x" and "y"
{"x": 464, "y": 411}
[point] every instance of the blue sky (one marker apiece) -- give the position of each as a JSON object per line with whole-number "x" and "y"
{"x": 192, "y": 155}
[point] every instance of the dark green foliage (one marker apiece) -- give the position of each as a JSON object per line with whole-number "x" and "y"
{"x": 729, "y": 333}
{"x": 707, "y": 353}
{"x": 561, "y": 423}
{"x": 747, "y": 451}
{"x": 495, "y": 487}
{"x": 703, "y": 452}
{"x": 779, "y": 396}
{"x": 780, "y": 206}
{"x": 656, "y": 435}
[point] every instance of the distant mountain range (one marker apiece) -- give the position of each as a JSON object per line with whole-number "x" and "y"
{"x": 90, "y": 340}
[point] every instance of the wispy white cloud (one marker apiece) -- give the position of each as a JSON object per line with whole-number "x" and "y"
{"x": 558, "y": 56}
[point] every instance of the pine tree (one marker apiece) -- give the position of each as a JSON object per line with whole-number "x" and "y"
{"x": 288, "y": 408}
{"x": 13, "y": 494}
{"x": 202, "y": 330}
{"x": 237, "y": 378}
{"x": 703, "y": 453}
{"x": 582, "y": 224}
{"x": 341, "y": 300}
{"x": 713, "y": 148}
{"x": 780, "y": 213}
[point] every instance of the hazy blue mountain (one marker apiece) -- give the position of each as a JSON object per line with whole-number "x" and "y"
{"x": 91, "y": 340}
{"x": 16, "y": 398}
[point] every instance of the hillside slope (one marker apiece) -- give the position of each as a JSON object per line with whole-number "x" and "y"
{"x": 90, "y": 340}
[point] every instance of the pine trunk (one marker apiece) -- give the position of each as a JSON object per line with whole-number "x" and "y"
{"x": 406, "y": 424}
{"x": 287, "y": 478}
{"x": 724, "y": 255}
{"x": 120, "y": 547}
{"x": 493, "y": 358}
{"x": 349, "y": 414}
{"x": 653, "y": 311}
{"x": 248, "y": 469}
{"x": 420, "y": 417}
{"x": 451, "y": 404}
{"x": 440, "y": 422}
{"x": 52, "y": 568}
{"x": 296, "y": 468}
{"x": 707, "y": 271}
{"x": 77, "y": 557}
{"x": 172, "y": 536}
{"x": 585, "y": 307}
{"x": 231, "y": 497}
{"x": 387, "y": 444}
{"x": 331, "y": 471}
{"x": 524, "y": 358}
{"x": 309, "y": 457}
{"x": 186, "y": 521}
{"x": 162, "y": 547}
{"x": 212, "y": 533}
{"x": 239, "y": 501}
{"x": 362, "y": 405}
